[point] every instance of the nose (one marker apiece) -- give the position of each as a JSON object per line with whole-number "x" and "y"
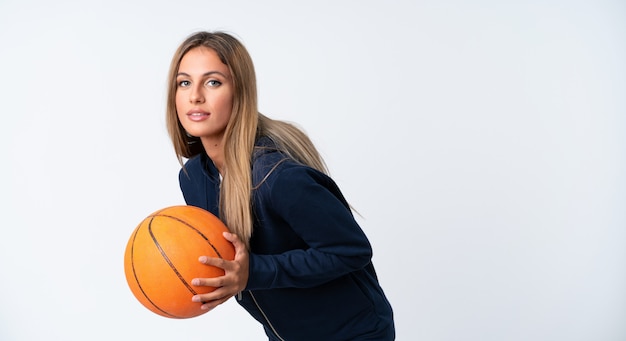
{"x": 196, "y": 95}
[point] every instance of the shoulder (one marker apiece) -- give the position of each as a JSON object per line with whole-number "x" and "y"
{"x": 275, "y": 174}
{"x": 270, "y": 164}
{"x": 266, "y": 157}
{"x": 284, "y": 179}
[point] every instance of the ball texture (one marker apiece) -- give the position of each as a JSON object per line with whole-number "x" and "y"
{"x": 162, "y": 254}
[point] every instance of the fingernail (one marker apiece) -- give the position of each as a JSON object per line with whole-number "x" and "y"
{"x": 195, "y": 281}
{"x": 202, "y": 259}
{"x": 196, "y": 299}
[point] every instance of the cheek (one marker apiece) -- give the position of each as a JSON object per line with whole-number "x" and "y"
{"x": 226, "y": 104}
{"x": 177, "y": 100}
{"x": 180, "y": 105}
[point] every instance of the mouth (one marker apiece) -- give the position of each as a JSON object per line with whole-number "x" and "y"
{"x": 197, "y": 115}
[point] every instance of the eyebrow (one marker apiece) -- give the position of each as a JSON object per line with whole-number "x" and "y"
{"x": 203, "y": 75}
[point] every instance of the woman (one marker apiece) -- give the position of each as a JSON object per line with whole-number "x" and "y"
{"x": 303, "y": 265}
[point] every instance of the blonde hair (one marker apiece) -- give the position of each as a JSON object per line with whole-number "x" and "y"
{"x": 244, "y": 126}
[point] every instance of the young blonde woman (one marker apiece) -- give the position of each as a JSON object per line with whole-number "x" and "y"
{"x": 303, "y": 265}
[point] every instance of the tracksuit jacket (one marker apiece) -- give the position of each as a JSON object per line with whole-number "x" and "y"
{"x": 311, "y": 275}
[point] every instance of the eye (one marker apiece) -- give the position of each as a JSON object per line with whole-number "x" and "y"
{"x": 184, "y": 83}
{"x": 213, "y": 83}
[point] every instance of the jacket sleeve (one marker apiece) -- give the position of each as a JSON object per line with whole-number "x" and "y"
{"x": 312, "y": 205}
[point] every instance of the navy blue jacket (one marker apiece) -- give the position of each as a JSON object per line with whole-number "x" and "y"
{"x": 311, "y": 275}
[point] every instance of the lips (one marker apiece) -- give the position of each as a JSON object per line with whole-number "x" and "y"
{"x": 197, "y": 115}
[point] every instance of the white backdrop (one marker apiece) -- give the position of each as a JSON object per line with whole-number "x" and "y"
{"x": 483, "y": 143}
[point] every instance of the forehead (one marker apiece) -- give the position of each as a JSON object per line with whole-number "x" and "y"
{"x": 201, "y": 60}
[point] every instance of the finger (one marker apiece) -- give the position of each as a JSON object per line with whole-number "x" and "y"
{"x": 240, "y": 247}
{"x": 217, "y": 294}
{"x": 211, "y": 305}
{"x": 207, "y": 298}
{"x": 214, "y": 282}
{"x": 212, "y": 299}
{"x": 234, "y": 239}
{"x": 230, "y": 236}
{"x": 213, "y": 261}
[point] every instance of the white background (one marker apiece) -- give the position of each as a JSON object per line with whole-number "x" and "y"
{"x": 482, "y": 142}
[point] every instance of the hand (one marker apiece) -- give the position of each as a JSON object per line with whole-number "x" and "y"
{"x": 234, "y": 280}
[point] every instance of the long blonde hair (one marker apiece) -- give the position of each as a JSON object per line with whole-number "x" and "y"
{"x": 244, "y": 126}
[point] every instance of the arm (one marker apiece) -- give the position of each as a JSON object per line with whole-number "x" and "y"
{"x": 312, "y": 205}
{"x": 314, "y": 208}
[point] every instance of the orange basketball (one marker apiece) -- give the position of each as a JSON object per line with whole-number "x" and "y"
{"x": 162, "y": 254}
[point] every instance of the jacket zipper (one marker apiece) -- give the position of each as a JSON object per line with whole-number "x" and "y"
{"x": 265, "y": 316}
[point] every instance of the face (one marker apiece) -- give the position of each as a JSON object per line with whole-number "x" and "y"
{"x": 204, "y": 95}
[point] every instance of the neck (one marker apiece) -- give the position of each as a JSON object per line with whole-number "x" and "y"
{"x": 215, "y": 150}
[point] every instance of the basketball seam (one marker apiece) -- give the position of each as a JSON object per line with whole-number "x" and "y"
{"x": 168, "y": 260}
{"x": 191, "y": 227}
{"x": 132, "y": 257}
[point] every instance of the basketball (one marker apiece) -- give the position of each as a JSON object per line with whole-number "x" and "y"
{"x": 161, "y": 259}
